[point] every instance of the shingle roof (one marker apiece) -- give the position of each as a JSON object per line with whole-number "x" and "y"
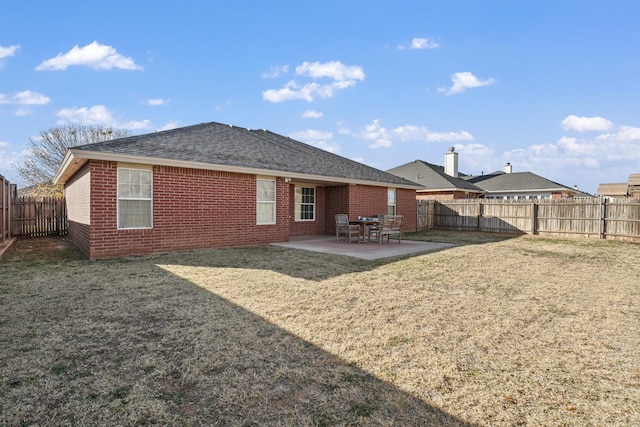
{"x": 432, "y": 177}
{"x": 516, "y": 181}
{"x": 231, "y": 146}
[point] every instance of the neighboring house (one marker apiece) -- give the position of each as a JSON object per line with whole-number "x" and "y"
{"x": 438, "y": 182}
{"x": 216, "y": 185}
{"x": 520, "y": 186}
{"x": 447, "y": 182}
{"x": 631, "y": 188}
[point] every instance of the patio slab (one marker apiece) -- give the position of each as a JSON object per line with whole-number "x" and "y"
{"x": 368, "y": 251}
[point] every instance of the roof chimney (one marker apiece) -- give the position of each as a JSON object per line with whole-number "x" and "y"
{"x": 451, "y": 163}
{"x": 508, "y": 168}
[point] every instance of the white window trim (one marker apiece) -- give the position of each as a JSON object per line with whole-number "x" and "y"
{"x": 295, "y": 213}
{"x": 275, "y": 198}
{"x": 395, "y": 201}
{"x": 118, "y": 198}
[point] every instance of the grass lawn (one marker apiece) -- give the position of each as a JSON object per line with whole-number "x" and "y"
{"x": 494, "y": 331}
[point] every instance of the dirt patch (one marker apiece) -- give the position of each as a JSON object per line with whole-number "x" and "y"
{"x": 41, "y": 249}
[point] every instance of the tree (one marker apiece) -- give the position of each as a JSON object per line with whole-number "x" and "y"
{"x": 47, "y": 150}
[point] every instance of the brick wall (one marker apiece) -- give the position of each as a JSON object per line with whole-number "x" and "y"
{"x": 79, "y": 234}
{"x": 192, "y": 209}
{"x": 307, "y": 228}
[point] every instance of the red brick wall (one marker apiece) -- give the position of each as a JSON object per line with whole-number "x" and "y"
{"x": 79, "y": 234}
{"x": 307, "y": 228}
{"x": 406, "y": 205}
{"x": 337, "y": 202}
{"x": 192, "y": 209}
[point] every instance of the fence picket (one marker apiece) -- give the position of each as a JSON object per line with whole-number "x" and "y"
{"x": 607, "y": 219}
{"x": 33, "y": 217}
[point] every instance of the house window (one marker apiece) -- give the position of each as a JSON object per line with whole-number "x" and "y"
{"x": 305, "y": 203}
{"x": 265, "y": 201}
{"x": 135, "y": 198}
{"x": 391, "y": 201}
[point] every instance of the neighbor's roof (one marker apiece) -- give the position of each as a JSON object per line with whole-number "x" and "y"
{"x": 613, "y": 189}
{"x": 432, "y": 177}
{"x": 230, "y": 148}
{"x": 516, "y": 182}
{"x": 634, "y": 179}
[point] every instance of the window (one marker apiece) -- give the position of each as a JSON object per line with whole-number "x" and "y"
{"x": 391, "y": 201}
{"x": 265, "y": 201}
{"x": 135, "y": 198}
{"x": 305, "y": 203}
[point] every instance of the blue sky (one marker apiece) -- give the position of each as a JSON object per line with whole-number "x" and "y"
{"x": 553, "y": 87}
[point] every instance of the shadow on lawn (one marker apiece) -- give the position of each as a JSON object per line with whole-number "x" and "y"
{"x": 130, "y": 343}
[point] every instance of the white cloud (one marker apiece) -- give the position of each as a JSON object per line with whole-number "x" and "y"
{"x": 6, "y": 52}
{"x": 93, "y": 55}
{"x": 22, "y": 111}
{"x": 169, "y": 126}
{"x": 335, "y": 70}
{"x": 465, "y": 80}
{"x": 276, "y": 71}
{"x": 156, "y": 101}
{"x": 25, "y": 97}
{"x": 141, "y": 124}
{"x": 586, "y": 124}
{"x": 98, "y": 115}
{"x": 450, "y": 136}
{"x": 422, "y": 133}
{"x": 317, "y": 138}
{"x": 344, "y": 76}
{"x": 411, "y": 133}
{"x": 378, "y": 134}
{"x": 420, "y": 43}
{"x": 311, "y": 114}
{"x": 3, "y": 144}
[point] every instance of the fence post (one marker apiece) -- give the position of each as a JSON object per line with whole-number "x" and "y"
{"x": 603, "y": 218}
{"x": 534, "y": 217}
{"x": 480, "y": 214}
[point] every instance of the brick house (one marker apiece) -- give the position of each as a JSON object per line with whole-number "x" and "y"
{"x": 446, "y": 183}
{"x": 216, "y": 185}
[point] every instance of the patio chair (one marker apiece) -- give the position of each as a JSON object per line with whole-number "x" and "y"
{"x": 343, "y": 227}
{"x": 391, "y": 227}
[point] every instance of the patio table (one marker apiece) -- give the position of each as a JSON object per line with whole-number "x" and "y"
{"x": 364, "y": 222}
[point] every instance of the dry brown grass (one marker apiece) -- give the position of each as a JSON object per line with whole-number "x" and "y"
{"x": 522, "y": 331}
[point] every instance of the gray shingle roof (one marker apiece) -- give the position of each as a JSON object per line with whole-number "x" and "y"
{"x": 516, "y": 181}
{"x": 220, "y": 144}
{"x": 432, "y": 177}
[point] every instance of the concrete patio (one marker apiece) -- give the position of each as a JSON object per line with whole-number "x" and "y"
{"x": 368, "y": 251}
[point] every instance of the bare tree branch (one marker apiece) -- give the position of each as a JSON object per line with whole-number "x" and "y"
{"x": 47, "y": 150}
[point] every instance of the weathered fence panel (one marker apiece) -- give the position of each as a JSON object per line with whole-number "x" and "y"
{"x": 425, "y": 214}
{"x": 34, "y": 217}
{"x": 596, "y": 217}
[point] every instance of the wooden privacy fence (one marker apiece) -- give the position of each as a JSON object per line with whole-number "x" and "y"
{"x": 34, "y": 217}
{"x": 596, "y": 217}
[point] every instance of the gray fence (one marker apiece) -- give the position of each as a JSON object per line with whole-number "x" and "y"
{"x": 596, "y": 217}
